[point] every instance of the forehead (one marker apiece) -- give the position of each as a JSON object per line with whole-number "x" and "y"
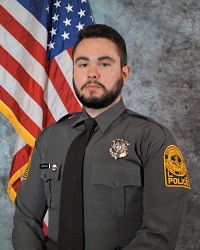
{"x": 92, "y": 47}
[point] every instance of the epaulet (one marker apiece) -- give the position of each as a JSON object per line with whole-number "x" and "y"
{"x": 68, "y": 116}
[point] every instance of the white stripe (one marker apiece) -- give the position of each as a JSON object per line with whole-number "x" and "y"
{"x": 26, "y": 103}
{"x": 27, "y": 61}
{"x": 19, "y": 144}
{"x": 54, "y": 102}
{"x": 46, "y": 218}
{"x": 22, "y": 15}
{"x": 65, "y": 63}
{"x": 36, "y": 71}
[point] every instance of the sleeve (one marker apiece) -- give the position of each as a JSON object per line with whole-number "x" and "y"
{"x": 166, "y": 186}
{"x": 30, "y": 209}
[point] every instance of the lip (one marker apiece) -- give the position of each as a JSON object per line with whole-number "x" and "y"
{"x": 92, "y": 86}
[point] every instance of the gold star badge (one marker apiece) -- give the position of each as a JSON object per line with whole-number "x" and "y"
{"x": 119, "y": 148}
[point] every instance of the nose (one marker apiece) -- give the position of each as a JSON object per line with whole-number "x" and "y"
{"x": 93, "y": 73}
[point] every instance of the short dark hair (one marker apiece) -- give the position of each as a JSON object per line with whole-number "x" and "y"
{"x": 104, "y": 31}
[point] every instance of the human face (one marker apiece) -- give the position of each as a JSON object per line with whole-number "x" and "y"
{"x": 98, "y": 77}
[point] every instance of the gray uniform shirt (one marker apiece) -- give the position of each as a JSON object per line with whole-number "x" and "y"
{"x": 130, "y": 202}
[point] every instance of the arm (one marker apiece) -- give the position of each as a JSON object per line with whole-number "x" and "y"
{"x": 164, "y": 206}
{"x": 30, "y": 209}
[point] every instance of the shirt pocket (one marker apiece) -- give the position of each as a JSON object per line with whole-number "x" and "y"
{"x": 51, "y": 174}
{"x": 117, "y": 190}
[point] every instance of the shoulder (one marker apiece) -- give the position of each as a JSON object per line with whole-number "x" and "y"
{"x": 142, "y": 119}
{"x": 65, "y": 121}
{"x": 146, "y": 125}
{"x": 69, "y": 116}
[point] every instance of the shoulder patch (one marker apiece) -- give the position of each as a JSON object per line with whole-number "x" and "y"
{"x": 175, "y": 170}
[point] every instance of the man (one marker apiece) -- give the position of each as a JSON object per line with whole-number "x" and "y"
{"x": 134, "y": 177}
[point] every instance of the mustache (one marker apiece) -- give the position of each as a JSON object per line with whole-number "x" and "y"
{"x": 94, "y": 81}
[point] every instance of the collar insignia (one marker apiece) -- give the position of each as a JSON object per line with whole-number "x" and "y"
{"x": 119, "y": 149}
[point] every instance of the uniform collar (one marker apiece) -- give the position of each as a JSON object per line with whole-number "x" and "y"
{"x": 105, "y": 119}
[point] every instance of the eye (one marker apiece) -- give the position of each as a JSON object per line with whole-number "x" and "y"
{"x": 103, "y": 64}
{"x": 83, "y": 65}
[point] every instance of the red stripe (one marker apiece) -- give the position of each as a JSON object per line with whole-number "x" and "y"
{"x": 16, "y": 185}
{"x": 48, "y": 119}
{"x": 23, "y": 36}
{"x": 69, "y": 50}
{"x": 45, "y": 229}
{"x": 35, "y": 49}
{"x": 32, "y": 88}
{"x": 62, "y": 87}
{"x": 22, "y": 117}
{"x": 20, "y": 159}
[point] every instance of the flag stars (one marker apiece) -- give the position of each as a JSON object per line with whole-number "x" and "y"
{"x": 69, "y": 8}
{"x": 55, "y": 17}
{"x": 80, "y": 26}
{"x": 57, "y": 4}
{"x": 81, "y": 13}
{"x": 53, "y": 32}
{"x": 51, "y": 45}
{"x": 67, "y": 22}
{"x": 65, "y": 35}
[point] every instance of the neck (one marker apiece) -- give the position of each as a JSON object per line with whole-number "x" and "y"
{"x": 95, "y": 112}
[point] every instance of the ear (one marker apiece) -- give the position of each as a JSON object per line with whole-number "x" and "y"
{"x": 125, "y": 73}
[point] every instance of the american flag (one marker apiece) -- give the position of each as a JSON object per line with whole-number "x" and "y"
{"x": 36, "y": 90}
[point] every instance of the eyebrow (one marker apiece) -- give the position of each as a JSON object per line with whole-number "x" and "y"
{"x": 84, "y": 58}
{"x": 106, "y": 58}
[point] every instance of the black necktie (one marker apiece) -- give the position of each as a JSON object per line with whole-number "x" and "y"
{"x": 71, "y": 220}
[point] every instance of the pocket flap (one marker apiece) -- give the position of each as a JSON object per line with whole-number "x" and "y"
{"x": 116, "y": 176}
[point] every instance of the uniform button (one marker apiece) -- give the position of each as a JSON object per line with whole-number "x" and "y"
{"x": 54, "y": 167}
{"x": 116, "y": 183}
{"x": 45, "y": 176}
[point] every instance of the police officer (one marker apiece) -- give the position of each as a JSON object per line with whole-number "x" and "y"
{"x": 135, "y": 181}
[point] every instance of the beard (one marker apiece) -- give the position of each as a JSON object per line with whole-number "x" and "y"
{"x": 107, "y": 98}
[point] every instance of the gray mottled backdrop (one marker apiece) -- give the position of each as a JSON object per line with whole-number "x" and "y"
{"x": 163, "y": 40}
